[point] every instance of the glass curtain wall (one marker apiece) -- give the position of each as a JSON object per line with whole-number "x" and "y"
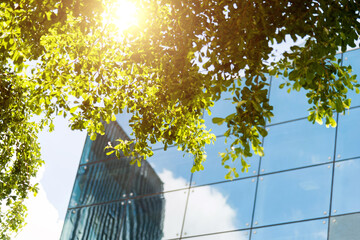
{"x": 305, "y": 187}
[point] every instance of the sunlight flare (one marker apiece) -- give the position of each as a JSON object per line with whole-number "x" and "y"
{"x": 123, "y": 14}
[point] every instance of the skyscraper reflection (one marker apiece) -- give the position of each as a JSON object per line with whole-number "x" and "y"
{"x": 104, "y": 202}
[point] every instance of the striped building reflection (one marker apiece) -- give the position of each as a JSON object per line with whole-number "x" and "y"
{"x": 104, "y": 204}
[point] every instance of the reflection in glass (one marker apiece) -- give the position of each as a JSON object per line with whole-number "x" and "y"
{"x": 346, "y": 193}
{"x": 310, "y": 230}
{"x": 220, "y": 207}
{"x": 236, "y": 235}
{"x": 88, "y": 222}
{"x": 94, "y": 150}
{"x": 145, "y": 181}
{"x": 113, "y": 180}
{"x": 214, "y": 171}
{"x": 352, "y": 58}
{"x": 348, "y": 135}
{"x": 101, "y": 182}
{"x": 144, "y": 218}
{"x": 113, "y": 200}
{"x": 293, "y": 195}
{"x": 287, "y": 106}
{"x": 345, "y": 227}
{"x": 173, "y": 167}
{"x": 297, "y": 144}
{"x": 164, "y": 211}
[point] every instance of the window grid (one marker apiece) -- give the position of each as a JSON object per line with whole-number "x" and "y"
{"x": 252, "y": 227}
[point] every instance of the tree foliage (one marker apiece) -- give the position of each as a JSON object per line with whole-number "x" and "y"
{"x": 166, "y": 71}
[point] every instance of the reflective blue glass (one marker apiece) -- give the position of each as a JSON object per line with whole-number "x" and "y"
{"x": 86, "y": 151}
{"x": 95, "y": 222}
{"x": 352, "y": 58}
{"x": 101, "y": 182}
{"x": 287, "y": 106}
{"x": 173, "y": 167}
{"x": 220, "y": 207}
{"x": 145, "y": 181}
{"x": 293, "y": 195}
{"x": 113, "y": 200}
{"x": 345, "y": 227}
{"x": 346, "y": 193}
{"x": 310, "y": 230}
{"x": 161, "y": 214}
{"x": 348, "y": 135}
{"x": 237, "y": 235}
{"x": 214, "y": 171}
{"x": 95, "y": 150}
{"x": 296, "y": 144}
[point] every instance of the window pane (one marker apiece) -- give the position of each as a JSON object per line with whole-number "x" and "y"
{"x": 287, "y": 106}
{"x": 214, "y": 171}
{"x": 352, "y": 58}
{"x": 311, "y": 230}
{"x": 293, "y": 195}
{"x": 173, "y": 167}
{"x": 346, "y": 196}
{"x": 348, "y": 135}
{"x": 345, "y": 227}
{"x": 162, "y": 212}
{"x": 220, "y": 207}
{"x": 238, "y": 235}
{"x": 145, "y": 181}
{"x": 296, "y": 144}
{"x": 88, "y": 222}
{"x": 101, "y": 182}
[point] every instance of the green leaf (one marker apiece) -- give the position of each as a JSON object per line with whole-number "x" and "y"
{"x": 73, "y": 109}
{"x": 338, "y": 105}
{"x": 347, "y": 103}
{"x": 332, "y": 122}
{"x": 93, "y": 137}
{"x": 319, "y": 120}
{"x": 218, "y": 121}
{"x": 109, "y": 153}
{"x": 262, "y": 131}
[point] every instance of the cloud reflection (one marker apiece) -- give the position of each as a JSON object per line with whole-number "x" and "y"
{"x": 208, "y": 211}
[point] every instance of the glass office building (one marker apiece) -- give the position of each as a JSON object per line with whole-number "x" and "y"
{"x": 306, "y": 187}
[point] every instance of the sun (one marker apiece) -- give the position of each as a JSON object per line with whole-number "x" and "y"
{"x": 123, "y": 14}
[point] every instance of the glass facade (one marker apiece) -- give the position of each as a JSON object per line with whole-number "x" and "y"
{"x": 305, "y": 187}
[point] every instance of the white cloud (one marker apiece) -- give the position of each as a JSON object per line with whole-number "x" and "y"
{"x": 208, "y": 211}
{"x": 43, "y": 218}
{"x": 170, "y": 182}
{"x": 309, "y": 185}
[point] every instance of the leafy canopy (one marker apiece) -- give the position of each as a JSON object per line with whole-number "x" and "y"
{"x": 165, "y": 70}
